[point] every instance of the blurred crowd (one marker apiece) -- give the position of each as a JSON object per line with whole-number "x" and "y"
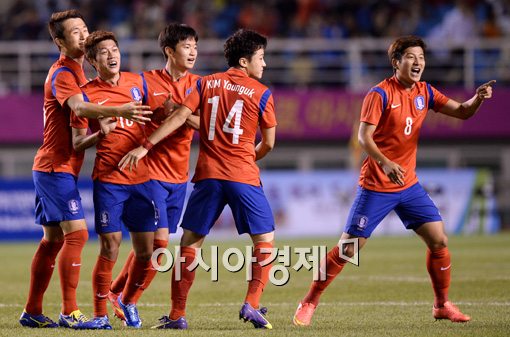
{"x": 143, "y": 19}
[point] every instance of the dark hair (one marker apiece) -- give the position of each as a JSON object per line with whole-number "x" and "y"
{"x": 56, "y": 24}
{"x": 175, "y": 33}
{"x": 397, "y": 48}
{"x": 93, "y": 40}
{"x": 243, "y": 43}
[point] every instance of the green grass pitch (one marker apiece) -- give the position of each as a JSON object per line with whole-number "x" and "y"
{"x": 389, "y": 294}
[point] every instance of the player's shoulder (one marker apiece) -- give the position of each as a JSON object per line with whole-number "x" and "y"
{"x": 152, "y": 74}
{"x": 93, "y": 83}
{"x": 132, "y": 77}
{"x": 387, "y": 84}
{"x": 192, "y": 78}
{"x": 423, "y": 85}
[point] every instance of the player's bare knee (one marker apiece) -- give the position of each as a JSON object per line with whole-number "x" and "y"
{"x": 109, "y": 247}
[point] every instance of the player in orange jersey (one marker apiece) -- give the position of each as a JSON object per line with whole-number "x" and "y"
{"x": 233, "y": 105}
{"x": 169, "y": 160}
{"x": 391, "y": 118}
{"x": 120, "y": 197}
{"x": 55, "y": 171}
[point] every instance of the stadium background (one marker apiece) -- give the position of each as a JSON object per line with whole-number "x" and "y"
{"x": 323, "y": 56}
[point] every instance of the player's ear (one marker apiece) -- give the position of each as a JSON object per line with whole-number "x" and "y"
{"x": 59, "y": 42}
{"x": 243, "y": 62}
{"x": 394, "y": 64}
{"x": 168, "y": 51}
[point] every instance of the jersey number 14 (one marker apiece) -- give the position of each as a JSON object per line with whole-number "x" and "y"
{"x": 235, "y": 114}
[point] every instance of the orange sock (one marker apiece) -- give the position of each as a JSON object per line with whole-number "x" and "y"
{"x": 101, "y": 279}
{"x": 136, "y": 277}
{"x": 439, "y": 267}
{"x": 333, "y": 266}
{"x": 69, "y": 264}
{"x": 260, "y": 274}
{"x": 180, "y": 289}
{"x": 120, "y": 281}
{"x": 43, "y": 264}
{"x": 151, "y": 272}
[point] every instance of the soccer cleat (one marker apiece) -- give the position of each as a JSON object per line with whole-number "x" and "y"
{"x": 131, "y": 313}
{"x": 117, "y": 310}
{"x": 451, "y": 312}
{"x": 76, "y": 320}
{"x": 103, "y": 322}
{"x": 166, "y": 323}
{"x": 36, "y": 321}
{"x": 304, "y": 313}
{"x": 255, "y": 316}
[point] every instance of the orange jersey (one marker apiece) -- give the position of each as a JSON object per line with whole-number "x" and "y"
{"x": 232, "y": 106}
{"x": 126, "y": 136}
{"x": 169, "y": 159}
{"x": 398, "y": 115}
{"x": 56, "y": 153}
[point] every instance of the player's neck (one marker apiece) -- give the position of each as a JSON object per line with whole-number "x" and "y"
{"x": 77, "y": 59}
{"x": 174, "y": 71}
{"x": 112, "y": 79}
{"x": 243, "y": 69}
{"x": 408, "y": 85}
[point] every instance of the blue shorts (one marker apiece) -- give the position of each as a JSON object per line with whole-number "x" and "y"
{"x": 412, "y": 205}
{"x": 251, "y": 211}
{"x": 130, "y": 205}
{"x": 169, "y": 200}
{"x": 56, "y": 198}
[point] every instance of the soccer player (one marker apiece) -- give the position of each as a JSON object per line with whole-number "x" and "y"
{"x": 233, "y": 105}
{"x": 56, "y": 167}
{"x": 169, "y": 160}
{"x": 120, "y": 197}
{"x": 391, "y": 117}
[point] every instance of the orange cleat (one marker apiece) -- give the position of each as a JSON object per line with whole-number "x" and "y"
{"x": 451, "y": 312}
{"x": 117, "y": 310}
{"x": 304, "y": 313}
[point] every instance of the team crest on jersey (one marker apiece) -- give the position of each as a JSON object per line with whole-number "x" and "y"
{"x": 104, "y": 218}
{"x": 74, "y": 206}
{"x": 419, "y": 102}
{"x": 362, "y": 222}
{"x": 189, "y": 91}
{"x": 136, "y": 94}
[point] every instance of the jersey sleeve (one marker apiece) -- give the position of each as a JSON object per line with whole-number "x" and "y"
{"x": 192, "y": 100}
{"x": 372, "y": 108}
{"x": 438, "y": 99}
{"x": 266, "y": 111}
{"x": 79, "y": 122}
{"x": 63, "y": 86}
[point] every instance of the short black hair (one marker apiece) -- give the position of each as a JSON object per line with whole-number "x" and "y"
{"x": 243, "y": 43}
{"x": 93, "y": 40}
{"x": 397, "y": 48}
{"x": 56, "y": 23}
{"x": 175, "y": 33}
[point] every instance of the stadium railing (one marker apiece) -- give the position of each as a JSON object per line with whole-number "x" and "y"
{"x": 348, "y": 63}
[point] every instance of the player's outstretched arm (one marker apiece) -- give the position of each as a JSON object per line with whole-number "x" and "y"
{"x": 470, "y": 107}
{"x": 266, "y": 143}
{"x": 134, "y": 111}
{"x": 170, "y": 124}
{"x": 390, "y": 168}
